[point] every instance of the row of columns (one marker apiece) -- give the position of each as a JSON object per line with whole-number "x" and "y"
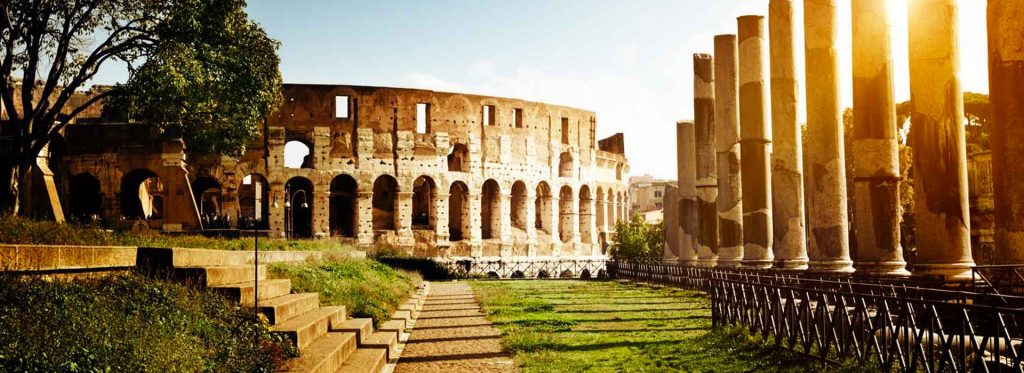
{"x": 742, "y": 155}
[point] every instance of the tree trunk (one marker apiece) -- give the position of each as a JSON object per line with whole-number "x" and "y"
{"x": 10, "y": 196}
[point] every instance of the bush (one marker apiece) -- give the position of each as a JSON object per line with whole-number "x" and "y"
{"x": 128, "y": 324}
{"x": 426, "y": 267}
{"x": 638, "y": 241}
{"x": 367, "y": 288}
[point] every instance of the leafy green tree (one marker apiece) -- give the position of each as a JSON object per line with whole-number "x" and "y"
{"x": 196, "y": 67}
{"x": 638, "y": 241}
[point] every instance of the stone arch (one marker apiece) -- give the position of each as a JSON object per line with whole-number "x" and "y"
{"x": 493, "y": 275}
{"x": 253, "y": 197}
{"x": 519, "y": 205}
{"x": 458, "y": 158}
{"x": 385, "y": 194}
{"x": 458, "y": 211}
{"x": 206, "y": 191}
{"x": 542, "y": 208}
{"x": 601, "y": 218}
{"x": 85, "y": 197}
{"x": 565, "y": 165}
{"x": 298, "y": 154}
{"x": 298, "y": 206}
{"x": 142, "y": 195}
{"x": 490, "y": 210}
{"x": 586, "y": 214}
{"x": 565, "y": 214}
{"x": 424, "y": 192}
{"x": 344, "y": 193}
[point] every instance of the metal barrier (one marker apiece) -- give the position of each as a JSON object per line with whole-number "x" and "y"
{"x": 1007, "y": 279}
{"x": 899, "y": 326}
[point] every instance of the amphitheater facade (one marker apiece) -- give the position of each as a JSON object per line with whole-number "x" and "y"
{"x": 431, "y": 173}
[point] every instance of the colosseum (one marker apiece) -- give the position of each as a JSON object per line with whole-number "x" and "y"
{"x": 470, "y": 179}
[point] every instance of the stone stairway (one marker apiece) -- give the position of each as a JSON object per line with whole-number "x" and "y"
{"x": 328, "y": 341}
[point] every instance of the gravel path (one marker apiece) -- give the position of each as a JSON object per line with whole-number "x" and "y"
{"x": 452, "y": 334}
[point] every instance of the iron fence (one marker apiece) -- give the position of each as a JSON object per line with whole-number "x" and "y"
{"x": 1007, "y": 279}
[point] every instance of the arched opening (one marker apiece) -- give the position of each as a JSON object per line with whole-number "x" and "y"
{"x": 343, "y": 206}
{"x": 298, "y": 206}
{"x": 565, "y": 165}
{"x": 86, "y": 199}
{"x": 585, "y": 273}
{"x": 253, "y": 199}
{"x": 207, "y": 194}
{"x": 601, "y": 220}
{"x": 493, "y": 275}
{"x": 458, "y": 158}
{"x": 566, "y": 274}
{"x": 518, "y": 274}
{"x": 565, "y": 214}
{"x": 458, "y": 211}
{"x": 586, "y": 214}
{"x": 142, "y": 194}
{"x": 519, "y": 205}
{"x": 542, "y": 208}
{"x": 298, "y": 154}
{"x": 385, "y": 191}
{"x": 543, "y": 274}
{"x": 490, "y": 210}
{"x": 423, "y": 193}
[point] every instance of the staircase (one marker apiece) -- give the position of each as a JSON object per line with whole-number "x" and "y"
{"x": 327, "y": 340}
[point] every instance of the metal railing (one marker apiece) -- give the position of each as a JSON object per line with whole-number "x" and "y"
{"x": 1006, "y": 279}
{"x": 898, "y": 326}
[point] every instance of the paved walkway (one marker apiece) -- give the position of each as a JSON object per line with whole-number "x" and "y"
{"x": 452, "y": 334}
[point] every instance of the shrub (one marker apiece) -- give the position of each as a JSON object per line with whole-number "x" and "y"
{"x": 426, "y": 267}
{"x": 128, "y": 323}
{"x": 638, "y": 241}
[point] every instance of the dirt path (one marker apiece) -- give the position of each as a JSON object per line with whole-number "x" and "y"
{"x": 453, "y": 335}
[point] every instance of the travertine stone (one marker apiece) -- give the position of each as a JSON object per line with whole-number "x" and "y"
{"x": 825, "y": 181}
{"x": 687, "y": 174}
{"x": 1006, "y": 87}
{"x": 727, "y": 147}
{"x": 937, "y": 136}
{"x": 875, "y": 149}
{"x": 755, "y": 143}
{"x": 787, "y": 162}
{"x": 671, "y": 210}
{"x": 704, "y": 139}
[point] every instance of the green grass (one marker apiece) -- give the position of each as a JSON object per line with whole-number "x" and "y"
{"x": 365, "y": 287}
{"x": 19, "y": 230}
{"x": 128, "y": 323}
{"x": 599, "y": 326}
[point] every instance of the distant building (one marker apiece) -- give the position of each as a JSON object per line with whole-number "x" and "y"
{"x": 647, "y": 195}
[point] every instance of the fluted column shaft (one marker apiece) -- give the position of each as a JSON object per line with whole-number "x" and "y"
{"x": 755, "y": 143}
{"x": 727, "y": 147}
{"x": 937, "y": 137}
{"x": 1006, "y": 89}
{"x": 876, "y": 171}
{"x": 825, "y": 181}
{"x": 687, "y": 174}
{"x": 704, "y": 139}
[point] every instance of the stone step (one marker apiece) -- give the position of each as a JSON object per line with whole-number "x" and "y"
{"x": 397, "y": 326}
{"x": 243, "y": 292}
{"x": 362, "y": 328}
{"x": 365, "y": 360}
{"x": 324, "y": 355}
{"x": 220, "y": 275}
{"x": 156, "y": 257}
{"x": 404, "y": 316}
{"x": 285, "y": 307}
{"x": 306, "y": 328}
{"x": 388, "y": 340}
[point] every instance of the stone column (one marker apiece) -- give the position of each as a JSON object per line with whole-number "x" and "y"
{"x": 937, "y": 136}
{"x": 321, "y": 211}
{"x": 475, "y": 231}
{"x": 825, "y": 182}
{"x": 1006, "y": 87}
{"x": 704, "y": 141}
{"x": 276, "y": 212}
{"x": 505, "y": 220}
{"x": 531, "y": 222}
{"x": 686, "y": 152}
{"x": 727, "y": 147}
{"x": 403, "y": 219}
{"x": 441, "y": 228}
{"x": 671, "y": 206}
{"x": 556, "y": 223}
{"x": 876, "y": 167}
{"x": 755, "y": 144}
{"x": 364, "y": 218}
{"x": 787, "y": 161}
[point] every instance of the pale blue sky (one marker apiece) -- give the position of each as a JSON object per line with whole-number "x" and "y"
{"x": 629, "y": 61}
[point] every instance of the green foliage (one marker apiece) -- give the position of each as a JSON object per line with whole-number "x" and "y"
{"x": 426, "y": 267}
{"x": 591, "y": 326}
{"x": 636, "y": 240}
{"x": 365, "y": 287}
{"x": 20, "y": 230}
{"x": 128, "y": 324}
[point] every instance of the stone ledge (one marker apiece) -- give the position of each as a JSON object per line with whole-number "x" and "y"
{"x": 56, "y": 258}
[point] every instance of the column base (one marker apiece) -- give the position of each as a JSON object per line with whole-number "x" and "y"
{"x": 889, "y": 268}
{"x": 729, "y": 263}
{"x": 790, "y": 264}
{"x": 706, "y": 262}
{"x": 756, "y": 263}
{"x": 831, "y": 266}
{"x": 951, "y": 272}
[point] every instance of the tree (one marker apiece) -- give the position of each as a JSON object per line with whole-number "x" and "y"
{"x": 636, "y": 240}
{"x": 195, "y": 66}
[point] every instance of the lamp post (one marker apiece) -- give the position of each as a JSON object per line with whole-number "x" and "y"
{"x": 289, "y": 197}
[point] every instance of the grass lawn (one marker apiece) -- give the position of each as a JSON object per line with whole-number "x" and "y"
{"x": 605, "y": 326}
